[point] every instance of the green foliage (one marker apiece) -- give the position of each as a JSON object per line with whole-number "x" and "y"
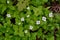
{"x": 27, "y": 20}
{"x": 38, "y": 2}
{"x": 22, "y": 4}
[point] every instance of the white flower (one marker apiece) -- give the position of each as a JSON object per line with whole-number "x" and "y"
{"x": 51, "y": 14}
{"x": 28, "y": 8}
{"x": 7, "y": 2}
{"x": 28, "y": 16}
{"x": 31, "y": 27}
{"x": 25, "y": 31}
{"x": 8, "y": 15}
{"x": 22, "y": 19}
{"x": 44, "y": 18}
{"x": 37, "y": 22}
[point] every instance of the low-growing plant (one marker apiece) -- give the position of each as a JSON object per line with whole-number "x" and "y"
{"x": 29, "y": 20}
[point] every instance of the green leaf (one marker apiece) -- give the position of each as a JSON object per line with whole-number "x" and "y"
{"x": 21, "y": 33}
{"x": 3, "y": 8}
{"x": 2, "y": 1}
{"x": 50, "y": 37}
{"x": 15, "y": 27}
{"x": 11, "y": 7}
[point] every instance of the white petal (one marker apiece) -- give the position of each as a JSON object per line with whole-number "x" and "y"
{"x": 22, "y": 19}
{"x": 7, "y": 2}
{"x": 44, "y": 18}
{"x": 28, "y": 8}
{"x": 37, "y": 22}
{"x": 51, "y": 14}
{"x": 31, "y": 27}
{"x": 8, "y": 15}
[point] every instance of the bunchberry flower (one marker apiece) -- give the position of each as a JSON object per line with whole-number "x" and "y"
{"x": 30, "y": 27}
{"x": 28, "y": 8}
{"x": 37, "y": 22}
{"x": 8, "y": 15}
{"x": 7, "y": 2}
{"x": 44, "y": 18}
{"x": 22, "y": 19}
{"x": 50, "y": 14}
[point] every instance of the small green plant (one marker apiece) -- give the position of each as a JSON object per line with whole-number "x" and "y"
{"x": 28, "y": 20}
